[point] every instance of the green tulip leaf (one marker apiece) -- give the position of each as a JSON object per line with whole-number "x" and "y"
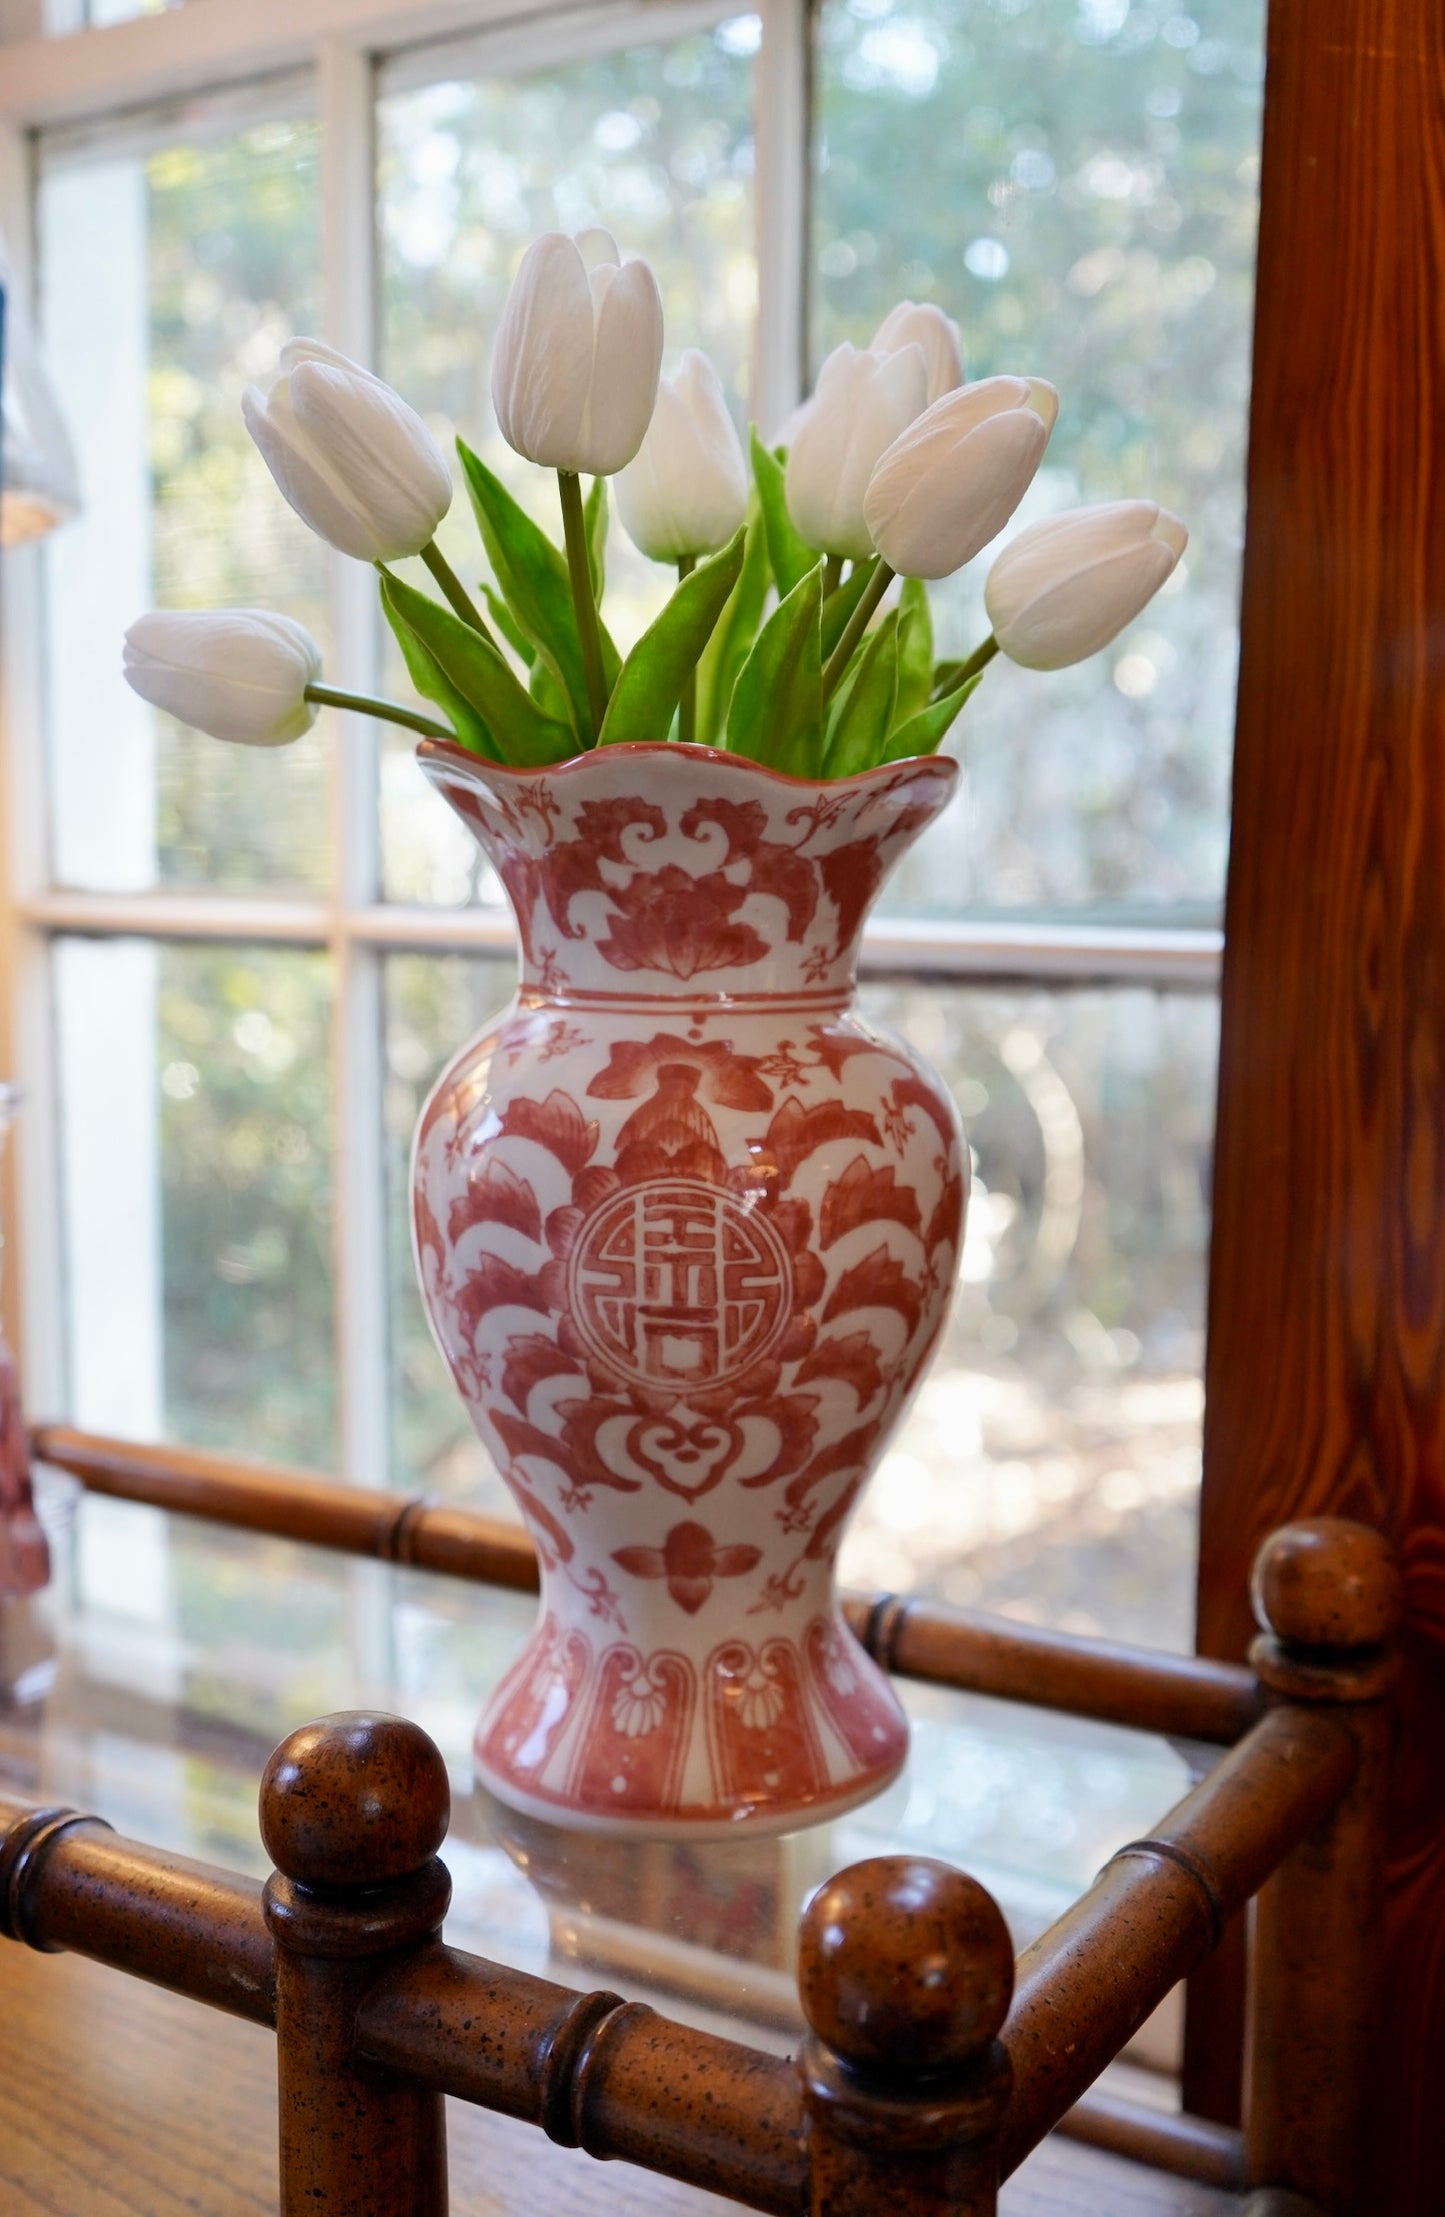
{"x": 520, "y": 731}
{"x": 776, "y": 715}
{"x": 861, "y": 723}
{"x": 508, "y": 626}
{"x": 546, "y": 690}
{"x": 789, "y": 556}
{"x": 594, "y": 515}
{"x": 653, "y": 676}
{"x": 915, "y": 650}
{"x": 531, "y": 575}
{"x": 926, "y": 732}
{"x": 431, "y": 679}
{"x": 839, "y": 606}
{"x": 737, "y": 627}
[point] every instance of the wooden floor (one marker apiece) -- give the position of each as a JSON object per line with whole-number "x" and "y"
{"x": 117, "y": 2100}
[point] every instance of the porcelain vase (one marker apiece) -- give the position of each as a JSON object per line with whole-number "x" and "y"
{"x": 687, "y": 1229}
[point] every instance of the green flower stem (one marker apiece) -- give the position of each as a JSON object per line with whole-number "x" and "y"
{"x": 687, "y": 699}
{"x": 856, "y": 625}
{"x": 452, "y": 587}
{"x": 579, "y": 569}
{"x": 979, "y": 659}
{"x": 832, "y": 574}
{"x": 948, "y": 676}
{"x": 367, "y": 704}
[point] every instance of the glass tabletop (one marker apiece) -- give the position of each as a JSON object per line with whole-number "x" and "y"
{"x": 152, "y": 1680}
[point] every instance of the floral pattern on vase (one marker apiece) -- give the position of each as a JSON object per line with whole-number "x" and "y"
{"x": 687, "y": 1230}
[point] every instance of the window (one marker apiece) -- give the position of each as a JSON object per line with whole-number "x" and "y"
{"x": 235, "y": 975}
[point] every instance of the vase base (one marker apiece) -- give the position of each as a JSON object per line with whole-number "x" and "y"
{"x": 750, "y": 1736}
{"x": 754, "y": 1820}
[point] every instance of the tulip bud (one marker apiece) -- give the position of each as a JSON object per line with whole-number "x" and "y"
{"x": 860, "y": 404}
{"x": 951, "y": 482}
{"x": 686, "y": 489}
{"x": 238, "y": 673}
{"x": 355, "y": 462}
{"x": 923, "y": 325}
{"x": 574, "y": 373}
{"x": 1067, "y": 586}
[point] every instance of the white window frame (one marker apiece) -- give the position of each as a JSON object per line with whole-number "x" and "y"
{"x": 88, "y": 75}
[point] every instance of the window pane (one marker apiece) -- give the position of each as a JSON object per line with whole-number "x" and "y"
{"x": 194, "y": 246}
{"x": 657, "y": 145}
{"x": 1050, "y": 1465}
{"x": 1076, "y": 180}
{"x": 195, "y": 1094}
{"x": 433, "y": 1007}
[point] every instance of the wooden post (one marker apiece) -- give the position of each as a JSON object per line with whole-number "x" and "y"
{"x": 905, "y": 1969}
{"x": 1328, "y": 1595}
{"x": 353, "y": 1810}
{"x": 1325, "y": 1371}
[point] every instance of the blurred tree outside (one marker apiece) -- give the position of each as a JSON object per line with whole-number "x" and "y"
{"x": 234, "y": 271}
{"x": 1077, "y": 182}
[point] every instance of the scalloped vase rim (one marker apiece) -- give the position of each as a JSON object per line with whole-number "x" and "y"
{"x": 450, "y": 751}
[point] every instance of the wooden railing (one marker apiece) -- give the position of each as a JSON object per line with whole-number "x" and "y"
{"x": 933, "y": 2064}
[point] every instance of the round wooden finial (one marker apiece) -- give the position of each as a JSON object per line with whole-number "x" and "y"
{"x": 1325, "y": 1582}
{"x": 905, "y": 1966}
{"x": 354, "y": 1800}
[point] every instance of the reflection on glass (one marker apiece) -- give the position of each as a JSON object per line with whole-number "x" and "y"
{"x": 657, "y": 145}
{"x": 432, "y": 1008}
{"x": 197, "y": 254}
{"x": 196, "y": 1093}
{"x": 1050, "y": 1465}
{"x": 1076, "y": 180}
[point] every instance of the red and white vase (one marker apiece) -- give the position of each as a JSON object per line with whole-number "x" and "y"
{"x": 687, "y": 1230}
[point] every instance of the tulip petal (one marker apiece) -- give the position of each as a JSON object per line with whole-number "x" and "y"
{"x": 542, "y": 361}
{"x": 239, "y": 674}
{"x": 934, "y": 507}
{"x": 627, "y": 357}
{"x": 1087, "y": 609}
{"x": 862, "y": 403}
{"x": 316, "y": 497}
{"x": 928, "y": 328}
{"x": 363, "y": 435}
{"x": 1066, "y": 586}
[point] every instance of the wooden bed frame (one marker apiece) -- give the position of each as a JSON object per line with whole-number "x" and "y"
{"x": 933, "y": 2063}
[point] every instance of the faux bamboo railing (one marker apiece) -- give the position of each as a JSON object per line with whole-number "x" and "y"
{"x": 932, "y": 2064}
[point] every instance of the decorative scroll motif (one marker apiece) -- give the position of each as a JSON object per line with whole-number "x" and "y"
{"x": 696, "y": 1259}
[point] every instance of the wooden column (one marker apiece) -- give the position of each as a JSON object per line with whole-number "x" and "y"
{"x": 353, "y": 1810}
{"x": 905, "y": 1970}
{"x": 1328, "y": 1596}
{"x": 1326, "y": 1364}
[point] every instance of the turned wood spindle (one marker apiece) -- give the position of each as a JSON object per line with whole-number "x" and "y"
{"x": 1327, "y": 1594}
{"x": 905, "y": 1970}
{"x": 353, "y": 1810}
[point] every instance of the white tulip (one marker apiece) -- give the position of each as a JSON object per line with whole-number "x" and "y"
{"x": 685, "y": 491}
{"x": 860, "y": 404}
{"x": 238, "y": 673}
{"x": 355, "y": 462}
{"x": 950, "y": 483}
{"x": 1067, "y": 586}
{"x": 574, "y": 374}
{"x": 913, "y": 323}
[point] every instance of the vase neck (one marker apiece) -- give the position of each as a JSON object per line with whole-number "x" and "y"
{"x": 676, "y": 873}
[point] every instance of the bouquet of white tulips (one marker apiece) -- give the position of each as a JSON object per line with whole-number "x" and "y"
{"x": 778, "y": 641}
